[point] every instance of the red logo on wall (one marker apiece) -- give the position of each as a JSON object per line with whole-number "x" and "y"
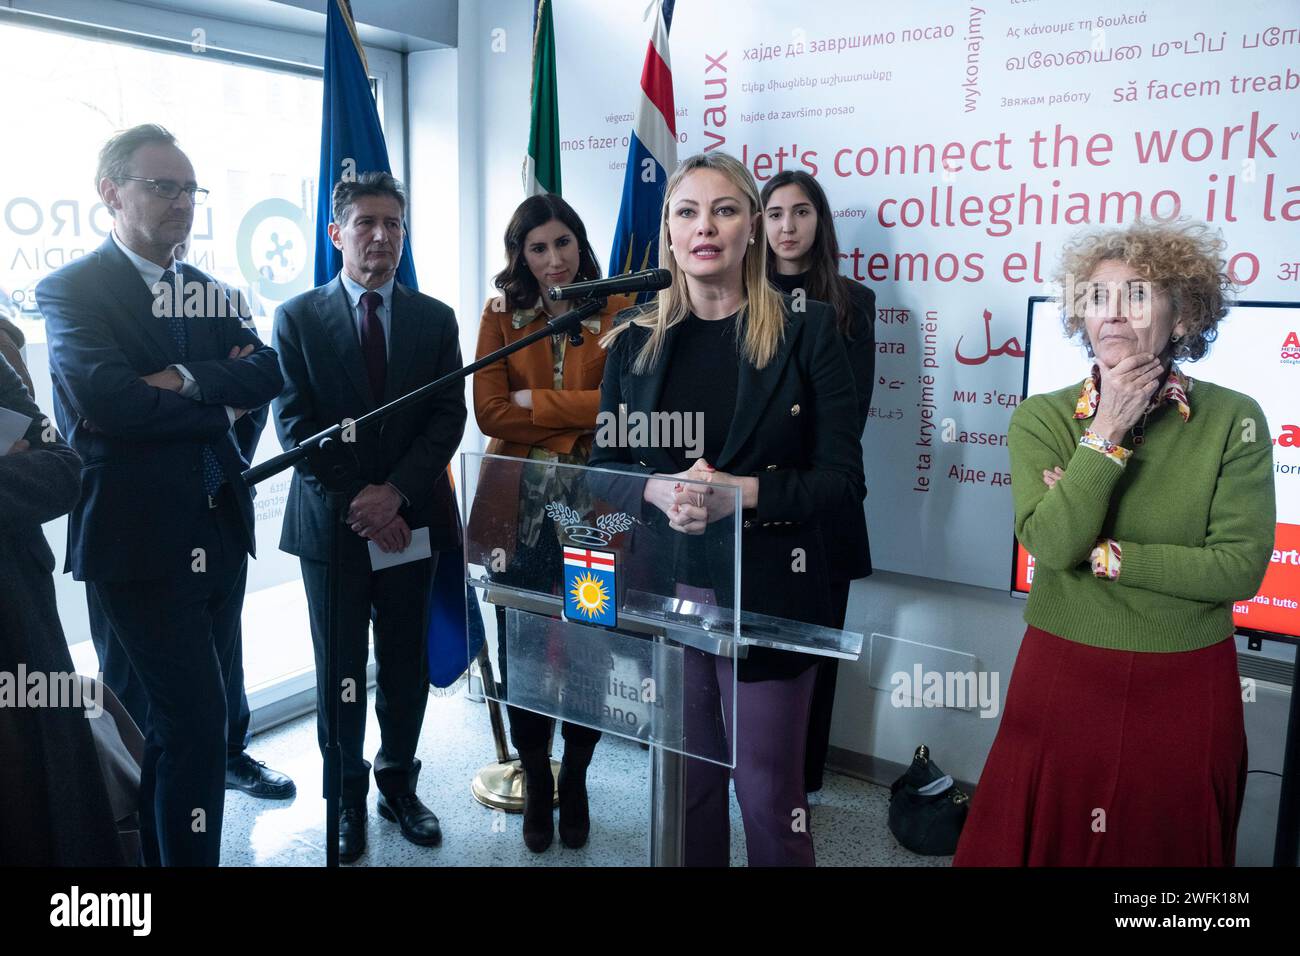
{"x": 1291, "y": 349}
{"x": 1024, "y": 569}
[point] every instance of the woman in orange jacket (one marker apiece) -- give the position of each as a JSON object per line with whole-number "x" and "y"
{"x": 540, "y": 403}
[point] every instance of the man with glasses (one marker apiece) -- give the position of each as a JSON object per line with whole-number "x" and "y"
{"x": 243, "y": 772}
{"x": 151, "y": 369}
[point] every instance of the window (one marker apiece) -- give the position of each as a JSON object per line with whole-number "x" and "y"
{"x": 252, "y": 132}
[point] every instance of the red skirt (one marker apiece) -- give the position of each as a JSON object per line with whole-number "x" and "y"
{"x": 1112, "y": 758}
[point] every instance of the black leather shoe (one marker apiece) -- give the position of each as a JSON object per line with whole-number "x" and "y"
{"x": 352, "y": 833}
{"x": 256, "y": 778}
{"x": 417, "y": 821}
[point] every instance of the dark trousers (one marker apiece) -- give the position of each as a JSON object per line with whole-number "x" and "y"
{"x": 772, "y": 721}
{"x": 823, "y": 700}
{"x": 179, "y": 635}
{"x": 396, "y": 601}
{"x": 529, "y": 730}
{"x": 129, "y": 689}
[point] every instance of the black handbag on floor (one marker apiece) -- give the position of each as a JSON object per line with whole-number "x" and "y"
{"x": 926, "y": 809}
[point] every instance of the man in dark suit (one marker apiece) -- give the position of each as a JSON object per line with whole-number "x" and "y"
{"x": 54, "y": 808}
{"x": 242, "y": 772}
{"x": 151, "y": 369}
{"x": 345, "y": 348}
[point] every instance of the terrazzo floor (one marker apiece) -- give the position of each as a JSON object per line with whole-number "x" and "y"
{"x": 848, "y": 815}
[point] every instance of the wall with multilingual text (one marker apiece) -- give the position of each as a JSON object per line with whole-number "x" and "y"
{"x": 960, "y": 145}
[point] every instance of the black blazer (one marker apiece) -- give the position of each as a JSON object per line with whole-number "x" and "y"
{"x": 848, "y": 548}
{"x": 54, "y": 807}
{"x": 325, "y": 378}
{"x": 141, "y": 447}
{"x": 794, "y": 429}
{"x": 35, "y": 487}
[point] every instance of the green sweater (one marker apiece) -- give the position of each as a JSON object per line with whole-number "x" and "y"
{"x": 1193, "y": 512}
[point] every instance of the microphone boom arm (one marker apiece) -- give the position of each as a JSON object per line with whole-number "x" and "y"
{"x": 567, "y": 323}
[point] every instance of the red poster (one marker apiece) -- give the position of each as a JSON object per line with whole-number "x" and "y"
{"x": 1275, "y": 608}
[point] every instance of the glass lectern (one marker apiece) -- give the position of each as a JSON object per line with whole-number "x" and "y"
{"x": 599, "y": 613}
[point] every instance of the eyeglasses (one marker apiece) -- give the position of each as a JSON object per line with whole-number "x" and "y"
{"x": 170, "y": 189}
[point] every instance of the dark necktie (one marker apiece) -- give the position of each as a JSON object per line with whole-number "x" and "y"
{"x": 213, "y": 476}
{"x": 373, "y": 346}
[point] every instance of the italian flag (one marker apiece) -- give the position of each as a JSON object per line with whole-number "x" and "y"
{"x": 542, "y": 165}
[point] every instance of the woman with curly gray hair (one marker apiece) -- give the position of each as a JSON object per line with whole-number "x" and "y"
{"x": 1146, "y": 499}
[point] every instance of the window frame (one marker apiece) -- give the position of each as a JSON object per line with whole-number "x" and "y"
{"x": 268, "y": 48}
{"x": 227, "y": 41}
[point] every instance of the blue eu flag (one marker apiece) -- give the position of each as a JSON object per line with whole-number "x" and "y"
{"x": 351, "y": 141}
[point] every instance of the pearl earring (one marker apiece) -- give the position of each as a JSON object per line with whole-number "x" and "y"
{"x": 751, "y": 240}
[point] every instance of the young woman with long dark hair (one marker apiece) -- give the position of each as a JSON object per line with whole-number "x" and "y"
{"x": 803, "y": 259}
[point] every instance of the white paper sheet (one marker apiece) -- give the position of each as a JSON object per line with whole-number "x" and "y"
{"x": 13, "y": 426}
{"x": 417, "y": 549}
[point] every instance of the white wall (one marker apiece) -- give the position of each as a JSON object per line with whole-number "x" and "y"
{"x": 468, "y": 133}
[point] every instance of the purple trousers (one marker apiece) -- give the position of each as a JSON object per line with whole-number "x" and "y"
{"x": 772, "y": 718}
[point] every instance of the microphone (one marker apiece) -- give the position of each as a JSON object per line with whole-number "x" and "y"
{"x": 649, "y": 280}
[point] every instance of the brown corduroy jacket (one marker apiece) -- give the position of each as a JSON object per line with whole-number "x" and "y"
{"x": 558, "y": 418}
{"x": 556, "y": 421}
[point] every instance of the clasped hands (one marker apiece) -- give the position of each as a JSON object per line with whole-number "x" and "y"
{"x": 690, "y": 508}
{"x": 373, "y": 514}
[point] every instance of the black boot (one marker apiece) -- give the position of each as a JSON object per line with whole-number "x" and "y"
{"x": 539, "y": 800}
{"x": 575, "y": 820}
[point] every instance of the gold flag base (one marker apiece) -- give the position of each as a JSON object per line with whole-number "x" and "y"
{"x": 501, "y": 785}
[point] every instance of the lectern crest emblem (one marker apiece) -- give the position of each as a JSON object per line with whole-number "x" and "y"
{"x": 590, "y": 595}
{"x": 601, "y": 533}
